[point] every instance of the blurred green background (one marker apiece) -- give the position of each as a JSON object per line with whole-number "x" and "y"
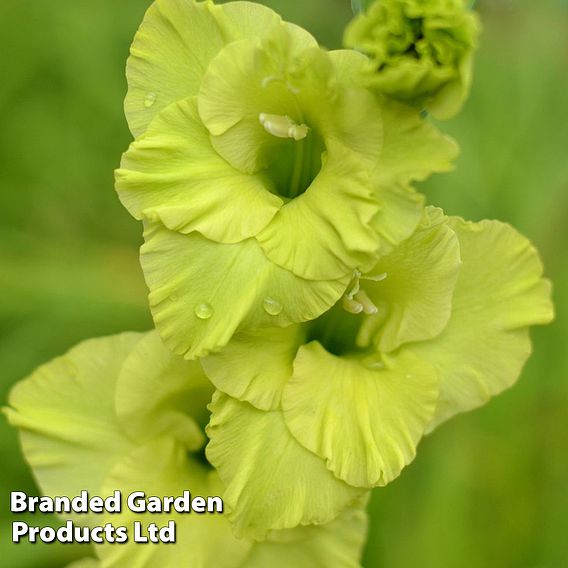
{"x": 490, "y": 488}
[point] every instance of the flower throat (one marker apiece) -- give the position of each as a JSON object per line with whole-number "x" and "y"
{"x": 299, "y": 157}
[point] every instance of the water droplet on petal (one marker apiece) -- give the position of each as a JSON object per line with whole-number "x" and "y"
{"x": 271, "y": 306}
{"x": 203, "y": 311}
{"x": 150, "y": 99}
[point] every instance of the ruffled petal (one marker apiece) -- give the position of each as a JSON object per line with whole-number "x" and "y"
{"x": 338, "y": 544}
{"x": 401, "y": 209}
{"x": 259, "y": 72}
{"x": 255, "y": 365}
{"x": 202, "y": 292}
{"x": 271, "y": 481}
{"x": 365, "y": 421}
{"x": 413, "y": 147}
{"x": 159, "y": 393}
{"x": 325, "y": 170}
{"x": 499, "y": 293}
{"x": 162, "y": 468}
{"x": 326, "y": 232}
{"x": 173, "y": 175}
{"x": 415, "y": 297}
{"x": 65, "y": 412}
{"x": 174, "y": 45}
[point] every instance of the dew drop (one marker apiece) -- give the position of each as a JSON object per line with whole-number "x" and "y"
{"x": 203, "y": 311}
{"x": 150, "y": 99}
{"x": 271, "y": 306}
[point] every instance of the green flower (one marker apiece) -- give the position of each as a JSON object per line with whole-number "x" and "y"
{"x": 438, "y": 327}
{"x": 420, "y": 51}
{"x": 124, "y": 413}
{"x": 264, "y": 173}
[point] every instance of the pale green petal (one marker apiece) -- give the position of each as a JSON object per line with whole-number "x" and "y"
{"x": 338, "y": 544}
{"x": 500, "y": 291}
{"x": 202, "y": 292}
{"x": 415, "y": 297}
{"x": 348, "y": 64}
{"x": 174, "y": 45}
{"x": 173, "y": 175}
{"x": 259, "y": 72}
{"x": 326, "y": 232}
{"x": 363, "y": 420}
{"x": 451, "y": 98}
{"x": 159, "y": 393}
{"x": 271, "y": 481}
{"x": 401, "y": 209}
{"x": 355, "y": 117}
{"x": 65, "y": 410}
{"x": 255, "y": 365}
{"x": 163, "y": 468}
{"x": 286, "y": 75}
{"x": 413, "y": 148}
{"x": 325, "y": 172}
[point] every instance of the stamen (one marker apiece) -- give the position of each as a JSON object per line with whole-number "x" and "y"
{"x": 355, "y": 285}
{"x": 355, "y": 299}
{"x": 352, "y": 306}
{"x": 283, "y": 126}
{"x": 376, "y": 277}
{"x": 368, "y": 306}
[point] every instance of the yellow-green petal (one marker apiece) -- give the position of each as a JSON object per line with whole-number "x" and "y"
{"x": 338, "y": 544}
{"x": 173, "y": 175}
{"x": 159, "y": 393}
{"x": 415, "y": 297}
{"x": 255, "y": 365}
{"x": 499, "y": 293}
{"x": 162, "y": 467}
{"x": 326, "y": 232}
{"x": 271, "y": 481}
{"x": 259, "y": 72}
{"x": 69, "y": 431}
{"x": 365, "y": 421}
{"x": 413, "y": 147}
{"x": 202, "y": 292}
{"x": 412, "y": 150}
{"x": 174, "y": 45}
{"x": 324, "y": 170}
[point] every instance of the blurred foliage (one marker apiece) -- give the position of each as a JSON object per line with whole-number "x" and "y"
{"x": 489, "y": 489}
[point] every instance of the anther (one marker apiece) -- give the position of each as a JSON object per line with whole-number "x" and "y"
{"x": 376, "y": 277}
{"x": 283, "y": 126}
{"x": 352, "y": 306}
{"x": 363, "y": 299}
